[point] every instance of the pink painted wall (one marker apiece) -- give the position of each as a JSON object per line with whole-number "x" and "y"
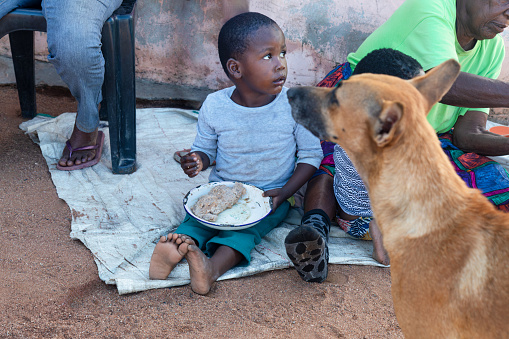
{"x": 176, "y": 40}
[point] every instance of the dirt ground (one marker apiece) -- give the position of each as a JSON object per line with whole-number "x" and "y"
{"x": 49, "y": 287}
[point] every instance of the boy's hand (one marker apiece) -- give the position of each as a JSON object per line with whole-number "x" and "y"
{"x": 279, "y": 195}
{"x": 302, "y": 174}
{"x": 192, "y": 164}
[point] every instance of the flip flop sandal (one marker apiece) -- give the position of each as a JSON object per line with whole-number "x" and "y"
{"x": 308, "y": 252}
{"x": 98, "y": 146}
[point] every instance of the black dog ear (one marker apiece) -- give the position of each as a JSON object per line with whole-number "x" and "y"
{"x": 386, "y": 125}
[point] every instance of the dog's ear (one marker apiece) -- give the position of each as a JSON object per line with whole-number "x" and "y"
{"x": 386, "y": 126}
{"x": 437, "y": 81}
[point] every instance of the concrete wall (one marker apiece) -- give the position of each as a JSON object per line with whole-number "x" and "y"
{"x": 176, "y": 40}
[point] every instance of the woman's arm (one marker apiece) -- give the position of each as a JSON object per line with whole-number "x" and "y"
{"x": 475, "y": 91}
{"x": 470, "y": 135}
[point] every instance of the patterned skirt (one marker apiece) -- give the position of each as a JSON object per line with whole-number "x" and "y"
{"x": 480, "y": 172}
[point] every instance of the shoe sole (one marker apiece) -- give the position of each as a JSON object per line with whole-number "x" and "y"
{"x": 308, "y": 252}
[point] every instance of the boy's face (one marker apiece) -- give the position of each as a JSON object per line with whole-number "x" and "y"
{"x": 262, "y": 67}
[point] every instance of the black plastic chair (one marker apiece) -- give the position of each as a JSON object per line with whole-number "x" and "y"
{"x": 119, "y": 96}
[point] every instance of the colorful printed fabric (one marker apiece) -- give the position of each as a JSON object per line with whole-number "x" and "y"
{"x": 327, "y": 164}
{"x": 479, "y": 172}
{"x": 357, "y": 228}
{"x": 349, "y": 189}
{"x": 341, "y": 72}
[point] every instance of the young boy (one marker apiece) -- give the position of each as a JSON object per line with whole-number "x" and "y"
{"x": 342, "y": 194}
{"x": 248, "y": 130}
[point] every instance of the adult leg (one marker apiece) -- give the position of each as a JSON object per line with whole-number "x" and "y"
{"x": 7, "y": 6}
{"x": 74, "y": 43}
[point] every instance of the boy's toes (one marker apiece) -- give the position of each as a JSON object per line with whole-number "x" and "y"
{"x": 187, "y": 239}
{"x": 183, "y": 248}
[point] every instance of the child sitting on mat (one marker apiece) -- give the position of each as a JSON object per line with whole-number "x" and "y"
{"x": 249, "y": 131}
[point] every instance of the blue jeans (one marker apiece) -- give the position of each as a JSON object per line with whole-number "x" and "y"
{"x": 74, "y": 44}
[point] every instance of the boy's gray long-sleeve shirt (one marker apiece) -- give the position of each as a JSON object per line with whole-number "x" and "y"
{"x": 253, "y": 145}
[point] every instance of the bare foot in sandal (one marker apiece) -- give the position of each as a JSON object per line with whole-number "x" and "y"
{"x": 77, "y": 140}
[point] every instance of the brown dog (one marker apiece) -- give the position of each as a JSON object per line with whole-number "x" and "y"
{"x": 449, "y": 246}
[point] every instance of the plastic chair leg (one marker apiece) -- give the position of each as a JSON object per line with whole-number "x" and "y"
{"x": 22, "y": 49}
{"x": 119, "y": 96}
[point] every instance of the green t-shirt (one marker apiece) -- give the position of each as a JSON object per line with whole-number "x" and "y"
{"x": 426, "y": 30}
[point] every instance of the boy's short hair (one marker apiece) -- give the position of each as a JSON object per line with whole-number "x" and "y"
{"x": 389, "y": 61}
{"x": 234, "y": 36}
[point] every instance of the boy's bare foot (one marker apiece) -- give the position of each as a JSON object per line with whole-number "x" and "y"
{"x": 379, "y": 252}
{"x": 200, "y": 267}
{"x": 79, "y": 139}
{"x": 166, "y": 256}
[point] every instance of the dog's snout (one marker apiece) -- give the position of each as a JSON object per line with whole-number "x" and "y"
{"x": 306, "y": 109}
{"x": 292, "y": 92}
{"x": 298, "y": 92}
